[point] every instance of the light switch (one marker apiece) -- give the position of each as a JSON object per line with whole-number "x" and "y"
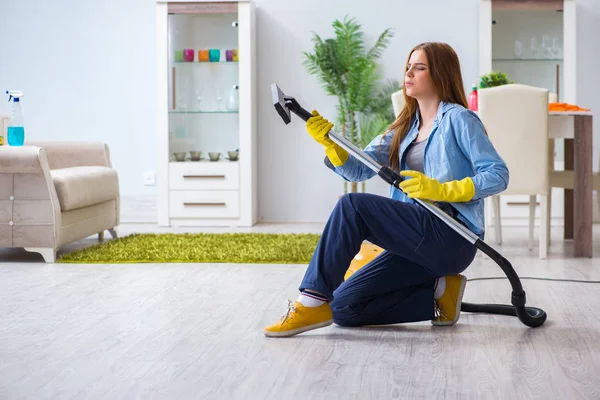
{"x": 149, "y": 178}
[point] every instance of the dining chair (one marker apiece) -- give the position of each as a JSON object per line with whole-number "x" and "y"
{"x": 515, "y": 117}
{"x": 398, "y": 101}
{"x": 566, "y": 180}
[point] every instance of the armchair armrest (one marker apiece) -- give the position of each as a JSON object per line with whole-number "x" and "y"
{"x": 75, "y": 154}
{"x": 30, "y": 214}
{"x": 21, "y": 160}
{"x": 4, "y": 126}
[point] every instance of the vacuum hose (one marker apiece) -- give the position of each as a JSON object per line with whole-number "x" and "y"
{"x": 530, "y": 316}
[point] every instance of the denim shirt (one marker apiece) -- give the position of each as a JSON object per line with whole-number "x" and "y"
{"x": 457, "y": 147}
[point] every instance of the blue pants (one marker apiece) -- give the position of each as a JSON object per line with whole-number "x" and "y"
{"x": 398, "y": 285}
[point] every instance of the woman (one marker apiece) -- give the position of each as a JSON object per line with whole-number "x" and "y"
{"x": 442, "y": 150}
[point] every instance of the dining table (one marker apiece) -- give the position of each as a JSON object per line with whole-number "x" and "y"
{"x": 576, "y": 129}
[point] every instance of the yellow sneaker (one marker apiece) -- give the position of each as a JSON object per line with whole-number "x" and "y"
{"x": 447, "y": 308}
{"x": 300, "y": 319}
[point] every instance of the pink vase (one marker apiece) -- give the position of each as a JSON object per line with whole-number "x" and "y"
{"x": 188, "y": 55}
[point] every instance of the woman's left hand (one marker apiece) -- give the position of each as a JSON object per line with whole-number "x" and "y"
{"x": 420, "y": 186}
{"x": 423, "y": 187}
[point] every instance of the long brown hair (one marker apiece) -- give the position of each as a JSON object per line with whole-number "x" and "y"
{"x": 444, "y": 68}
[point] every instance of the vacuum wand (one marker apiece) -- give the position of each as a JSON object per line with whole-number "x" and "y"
{"x": 530, "y": 316}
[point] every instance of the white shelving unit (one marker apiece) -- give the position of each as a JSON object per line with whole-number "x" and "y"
{"x": 208, "y": 107}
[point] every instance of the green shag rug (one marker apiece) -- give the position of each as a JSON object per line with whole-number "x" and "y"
{"x": 200, "y": 248}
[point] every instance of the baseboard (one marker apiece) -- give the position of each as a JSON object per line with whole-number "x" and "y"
{"x": 143, "y": 210}
{"x": 524, "y": 222}
{"x": 554, "y": 221}
{"x": 139, "y": 210}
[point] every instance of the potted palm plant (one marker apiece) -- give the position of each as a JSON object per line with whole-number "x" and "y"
{"x": 347, "y": 69}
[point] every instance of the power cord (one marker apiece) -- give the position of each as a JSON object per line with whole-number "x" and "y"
{"x": 532, "y": 278}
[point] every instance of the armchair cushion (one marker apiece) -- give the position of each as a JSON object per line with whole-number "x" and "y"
{"x": 79, "y": 187}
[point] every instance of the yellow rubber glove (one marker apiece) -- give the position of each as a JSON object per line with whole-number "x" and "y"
{"x": 318, "y": 127}
{"x": 425, "y": 188}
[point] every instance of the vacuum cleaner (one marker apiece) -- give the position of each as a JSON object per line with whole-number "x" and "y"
{"x": 530, "y": 316}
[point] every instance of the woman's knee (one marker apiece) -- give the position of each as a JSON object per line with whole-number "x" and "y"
{"x": 343, "y": 315}
{"x": 345, "y": 321}
{"x": 347, "y": 198}
{"x": 353, "y": 200}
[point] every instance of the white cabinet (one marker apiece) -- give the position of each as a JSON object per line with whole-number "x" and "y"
{"x": 535, "y": 45}
{"x": 205, "y": 65}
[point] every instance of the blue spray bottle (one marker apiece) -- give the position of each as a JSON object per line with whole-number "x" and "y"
{"x": 16, "y": 130}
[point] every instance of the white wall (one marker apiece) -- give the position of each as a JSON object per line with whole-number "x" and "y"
{"x": 87, "y": 72}
{"x": 294, "y": 185}
{"x": 86, "y": 68}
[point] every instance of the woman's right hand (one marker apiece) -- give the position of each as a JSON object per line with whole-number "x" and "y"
{"x": 318, "y": 127}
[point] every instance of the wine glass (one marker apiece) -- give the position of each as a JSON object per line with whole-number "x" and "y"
{"x": 534, "y": 46}
{"x": 199, "y": 98}
{"x": 219, "y": 96}
{"x": 518, "y": 49}
{"x": 555, "y": 46}
{"x": 183, "y": 94}
{"x": 546, "y": 46}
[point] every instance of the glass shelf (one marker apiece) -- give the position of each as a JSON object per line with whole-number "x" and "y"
{"x": 203, "y": 99}
{"x": 205, "y": 62}
{"x": 203, "y": 112}
{"x": 527, "y": 59}
{"x": 204, "y": 161}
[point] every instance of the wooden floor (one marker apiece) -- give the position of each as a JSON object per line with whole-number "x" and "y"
{"x": 194, "y": 331}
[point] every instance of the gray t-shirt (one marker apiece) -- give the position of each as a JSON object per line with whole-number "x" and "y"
{"x": 414, "y": 156}
{"x": 415, "y": 160}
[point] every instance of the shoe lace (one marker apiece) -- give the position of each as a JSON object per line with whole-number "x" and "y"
{"x": 438, "y": 311}
{"x": 291, "y": 309}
